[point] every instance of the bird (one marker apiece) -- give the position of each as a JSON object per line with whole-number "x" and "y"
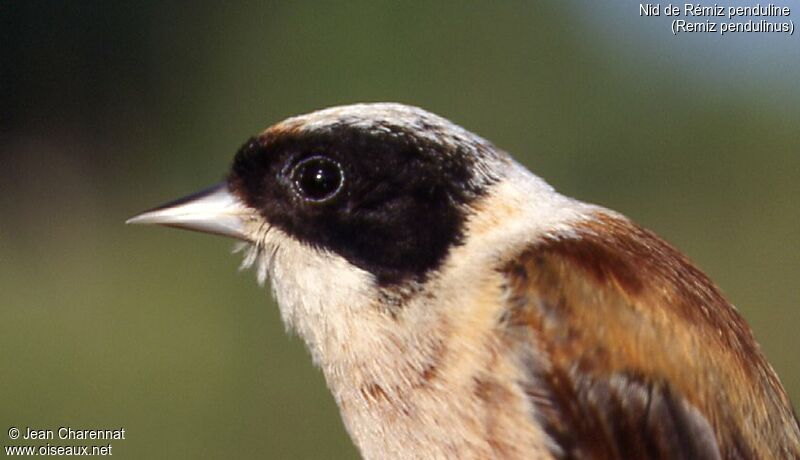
{"x": 460, "y": 307}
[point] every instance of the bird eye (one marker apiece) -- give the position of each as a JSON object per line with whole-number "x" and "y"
{"x": 317, "y": 178}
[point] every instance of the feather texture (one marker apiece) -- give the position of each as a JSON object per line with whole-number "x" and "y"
{"x": 645, "y": 357}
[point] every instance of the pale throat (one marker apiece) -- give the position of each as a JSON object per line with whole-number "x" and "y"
{"x": 346, "y": 320}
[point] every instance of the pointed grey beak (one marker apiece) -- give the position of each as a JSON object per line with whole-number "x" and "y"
{"x": 214, "y": 210}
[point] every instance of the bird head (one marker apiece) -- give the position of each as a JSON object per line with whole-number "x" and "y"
{"x": 348, "y": 208}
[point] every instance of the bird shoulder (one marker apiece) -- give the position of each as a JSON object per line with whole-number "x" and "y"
{"x": 637, "y": 353}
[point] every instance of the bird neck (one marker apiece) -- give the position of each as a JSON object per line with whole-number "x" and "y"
{"x": 422, "y": 371}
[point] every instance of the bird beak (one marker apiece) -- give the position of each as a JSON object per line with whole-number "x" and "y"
{"x": 213, "y": 210}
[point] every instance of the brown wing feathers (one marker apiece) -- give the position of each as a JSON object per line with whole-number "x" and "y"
{"x": 643, "y": 356}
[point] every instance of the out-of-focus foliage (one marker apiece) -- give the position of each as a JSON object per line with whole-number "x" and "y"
{"x": 108, "y": 108}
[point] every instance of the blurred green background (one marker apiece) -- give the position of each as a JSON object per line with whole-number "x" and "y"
{"x": 109, "y": 108}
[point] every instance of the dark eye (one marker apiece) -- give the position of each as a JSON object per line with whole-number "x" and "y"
{"x": 317, "y": 178}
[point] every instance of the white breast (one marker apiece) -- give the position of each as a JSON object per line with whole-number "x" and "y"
{"x": 406, "y": 377}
